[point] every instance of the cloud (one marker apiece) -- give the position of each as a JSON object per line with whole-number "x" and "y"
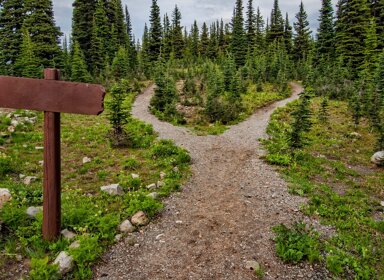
{"x": 201, "y": 10}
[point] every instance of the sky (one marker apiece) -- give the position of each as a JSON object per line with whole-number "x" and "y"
{"x": 201, "y": 10}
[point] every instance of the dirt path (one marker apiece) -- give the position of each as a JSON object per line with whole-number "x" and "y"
{"x": 224, "y": 215}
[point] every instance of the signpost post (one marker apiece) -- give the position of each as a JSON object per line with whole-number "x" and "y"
{"x": 52, "y": 97}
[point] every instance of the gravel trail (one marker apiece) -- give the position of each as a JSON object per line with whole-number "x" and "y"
{"x": 222, "y": 218}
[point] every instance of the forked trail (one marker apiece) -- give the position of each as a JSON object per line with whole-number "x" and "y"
{"x": 224, "y": 215}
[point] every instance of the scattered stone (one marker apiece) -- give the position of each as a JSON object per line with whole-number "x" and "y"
{"x": 355, "y": 135}
{"x": 65, "y": 262}
{"x": 11, "y": 129}
{"x": 33, "y": 211}
{"x": 41, "y": 162}
{"x": 160, "y": 184}
{"x": 153, "y": 195}
{"x": 39, "y": 148}
{"x": 114, "y": 189}
{"x": 131, "y": 240}
{"x": 252, "y": 265}
{"x": 140, "y": 219}
{"x": 378, "y": 158}
{"x": 68, "y": 234}
{"x": 118, "y": 237}
{"x": 175, "y": 169}
{"x": 159, "y": 236}
{"x": 5, "y": 196}
{"x": 179, "y": 222}
{"x": 86, "y": 160}
{"x": 152, "y": 187}
{"x": 22, "y": 176}
{"x": 14, "y": 123}
{"x": 135, "y": 176}
{"x": 162, "y": 175}
{"x": 19, "y": 258}
{"x": 382, "y": 203}
{"x": 29, "y": 180}
{"x": 126, "y": 227}
{"x": 75, "y": 245}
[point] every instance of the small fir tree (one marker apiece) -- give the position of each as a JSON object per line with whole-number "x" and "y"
{"x": 79, "y": 72}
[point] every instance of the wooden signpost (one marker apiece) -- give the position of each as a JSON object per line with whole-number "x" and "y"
{"x": 53, "y": 97}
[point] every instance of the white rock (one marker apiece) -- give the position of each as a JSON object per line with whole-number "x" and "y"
{"x": 86, "y": 160}
{"x": 160, "y": 184}
{"x": 118, "y": 237}
{"x": 162, "y": 175}
{"x": 41, "y": 162}
{"x": 160, "y": 236}
{"x": 114, "y": 189}
{"x": 14, "y": 123}
{"x": 126, "y": 227}
{"x": 5, "y": 196}
{"x": 75, "y": 245}
{"x": 140, "y": 219}
{"x": 153, "y": 195}
{"x": 179, "y": 222}
{"x": 355, "y": 135}
{"x": 252, "y": 265}
{"x": 135, "y": 176}
{"x": 65, "y": 262}
{"x": 11, "y": 129}
{"x": 33, "y": 211}
{"x": 378, "y": 158}
{"x": 68, "y": 234}
{"x": 382, "y": 203}
{"x": 152, "y": 187}
{"x": 175, "y": 169}
{"x": 39, "y": 148}
{"x": 22, "y": 176}
{"x": 29, "y": 180}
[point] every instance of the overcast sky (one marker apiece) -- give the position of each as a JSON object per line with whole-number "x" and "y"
{"x": 201, "y": 10}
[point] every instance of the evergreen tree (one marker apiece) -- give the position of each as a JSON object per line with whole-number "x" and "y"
{"x": 288, "y": 35}
{"x": 377, "y": 7}
{"x": 3, "y": 66}
{"x": 12, "y": 14}
{"x": 144, "y": 53}
{"x": 120, "y": 64}
{"x": 325, "y": 45}
{"x": 276, "y": 27}
{"x": 195, "y": 39}
{"x": 204, "y": 41}
{"x": 251, "y": 26}
{"x": 213, "y": 42}
{"x": 120, "y": 24}
{"x": 66, "y": 60}
{"x": 260, "y": 38}
{"x": 97, "y": 51}
{"x": 166, "y": 47}
{"x": 238, "y": 44}
{"x": 323, "y": 111}
{"x": 370, "y": 54}
{"x": 131, "y": 44}
{"x": 82, "y": 24}
{"x": 353, "y": 17}
{"x": 302, "y": 38}
{"x": 155, "y": 33}
{"x": 177, "y": 34}
{"x": 27, "y": 64}
{"x": 79, "y": 72}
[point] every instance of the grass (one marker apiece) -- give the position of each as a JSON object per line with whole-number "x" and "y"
{"x": 92, "y": 215}
{"x": 343, "y": 188}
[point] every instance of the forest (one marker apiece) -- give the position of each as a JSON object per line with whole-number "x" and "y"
{"x": 208, "y": 77}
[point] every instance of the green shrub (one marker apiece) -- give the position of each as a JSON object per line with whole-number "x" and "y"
{"x": 296, "y": 244}
{"x": 42, "y": 270}
{"x": 129, "y": 183}
{"x": 278, "y": 159}
{"x": 6, "y": 165}
{"x": 131, "y": 164}
{"x": 141, "y": 202}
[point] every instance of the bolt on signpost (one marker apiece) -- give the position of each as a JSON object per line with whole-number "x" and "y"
{"x": 52, "y": 97}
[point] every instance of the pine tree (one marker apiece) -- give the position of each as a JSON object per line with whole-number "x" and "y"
{"x": 323, "y": 115}
{"x": 155, "y": 33}
{"x": 120, "y": 24}
{"x": 177, "y": 34}
{"x": 12, "y": 15}
{"x": 260, "y": 38}
{"x": 195, "y": 40}
{"x": 370, "y": 54}
{"x": 238, "y": 44}
{"x": 204, "y": 41}
{"x": 213, "y": 46}
{"x": 43, "y": 31}
{"x": 251, "y": 26}
{"x": 97, "y": 51}
{"x": 131, "y": 44}
{"x": 82, "y": 23}
{"x": 353, "y": 17}
{"x": 79, "y": 72}
{"x": 301, "y": 40}
{"x": 3, "y": 66}
{"x": 166, "y": 47}
{"x": 288, "y": 35}
{"x": 120, "y": 64}
{"x": 66, "y": 60}
{"x": 377, "y": 7}
{"x": 144, "y": 53}
{"x": 27, "y": 64}
{"x": 276, "y": 27}
{"x": 325, "y": 45}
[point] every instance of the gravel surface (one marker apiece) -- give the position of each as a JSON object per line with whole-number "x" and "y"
{"x": 223, "y": 217}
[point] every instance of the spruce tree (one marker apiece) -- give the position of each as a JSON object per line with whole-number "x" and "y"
{"x": 79, "y": 72}
{"x": 276, "y": 27}
{"x": 144, "y": 53}
{"x": 177, "y": 34}
{"x": 325, "y": 44}
{"x": 195, "y": 40}
{"x": 302, "y": 38}
{"x": 97, "y": 51}
{"x": 166, "y": 47}
{"x": 120, "y": 64}
{"x": 260, "y": 32}
{"x": 155, "y": 33}
{"x": 251, "y": 26}
{"x": 370, "y": 54}
{"x": 213, "y": 43}
{"x": 120, "y": 24}
{"x": 82, "y": 24}
{"x": 44, "y": 33}
{"x": 66, "y": 60}
{"x": 131, "y": 44}
{"x": 12, "y": 14}
{"x": 288, "y": 35}
{"x": 353, "y": 17}
{"x": 27, "y": 64}
{"x": 204, "y": 41}
{"x": 239, "y": 43}
{"x": 377, "y": 7}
